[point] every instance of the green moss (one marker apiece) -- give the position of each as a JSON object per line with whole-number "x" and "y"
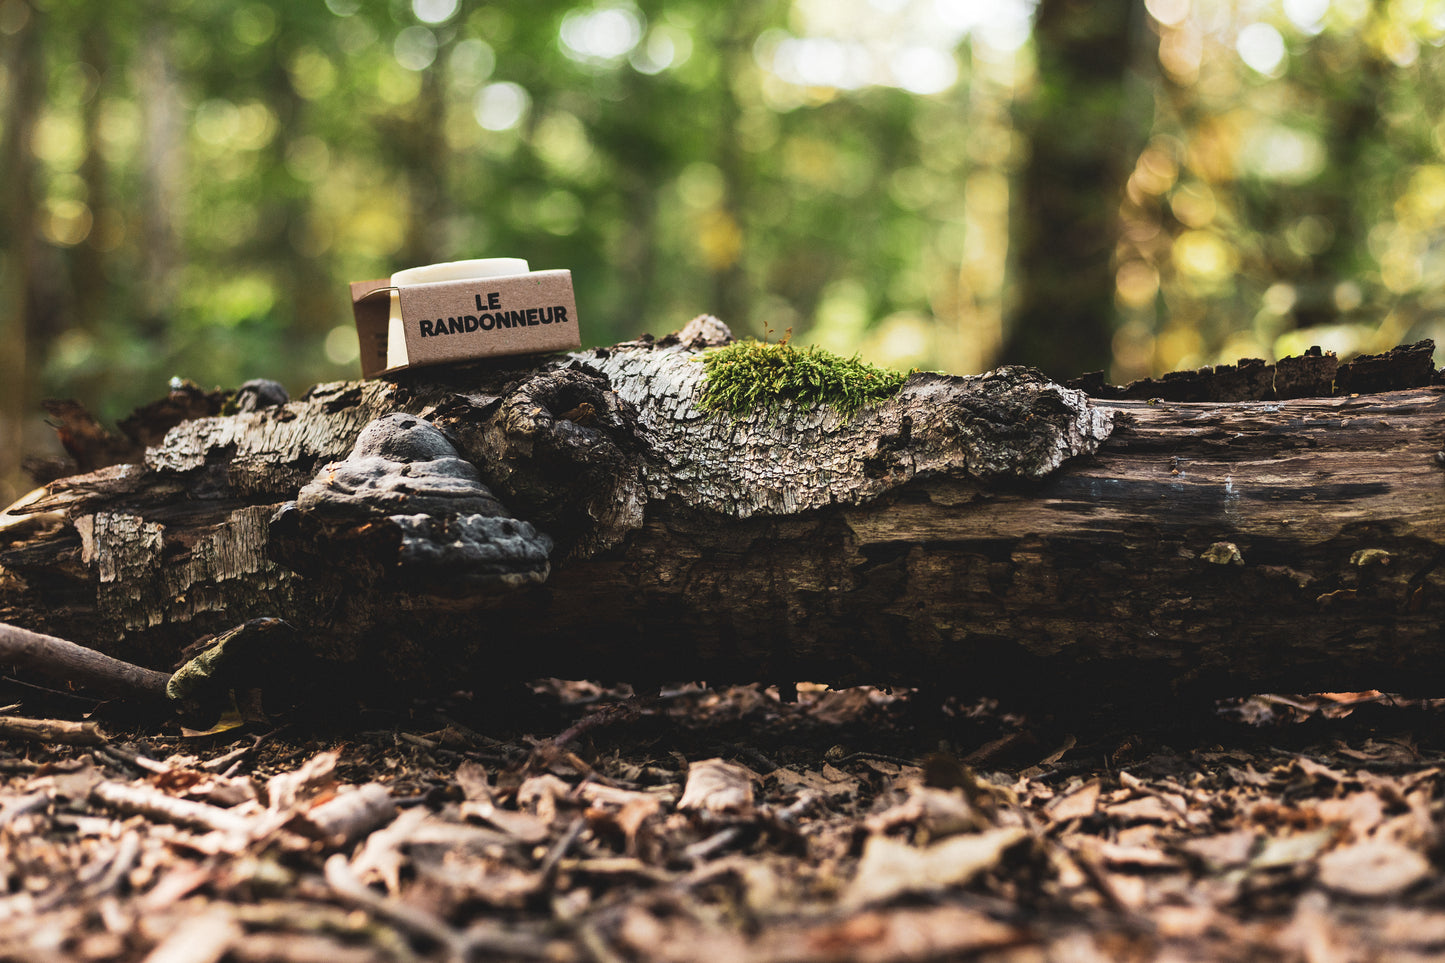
{"x": 746, "y": 376}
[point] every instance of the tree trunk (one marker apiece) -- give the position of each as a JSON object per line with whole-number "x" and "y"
{"x": 985, "y": 534}
{"x": 20, "y": 316}
{"x": 1082, "y": 129}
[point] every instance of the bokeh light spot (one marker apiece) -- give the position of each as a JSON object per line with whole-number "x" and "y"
{"x": 501, "y": 106}
{"x": 601, "y": 36}
{"x": 1261, "y": 47}
{"x": 415, "y": 48}
{"x": 341, "y": 345}
{"x": 433, "y": 11}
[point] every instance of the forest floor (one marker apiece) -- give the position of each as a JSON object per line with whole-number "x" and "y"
{"x": 731, "y": 825}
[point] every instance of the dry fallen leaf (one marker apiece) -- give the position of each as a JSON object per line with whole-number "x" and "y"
{"x": 538, "y": 795}
{"x": 1374, "y": 868}
{"x": 1362, "y": 812}
{"x": 525, "y": 827}
{"x": 936, "y": 812}
{"x": 1221, "y": 851}
{"x": 1281, "y": 851}
{"x": 941, "y": 932}
{"x": 892, "y": 868}
{"x": 830, "y": 781}
{"x": 348, "y": 815}
{"x": 285, "y": 790}
{"x": 381, "y": 856}
{"x": 714, "y": 786}
{"x": 1205, "y": 855}
{"x": 1149, "y": 809}
{"x": 1079, "y": 804}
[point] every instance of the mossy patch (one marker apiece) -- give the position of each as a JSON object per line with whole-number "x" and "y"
{"x": 748, "y": 376}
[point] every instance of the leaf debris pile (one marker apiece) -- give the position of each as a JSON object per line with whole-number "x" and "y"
{"x": 717, "y": 826}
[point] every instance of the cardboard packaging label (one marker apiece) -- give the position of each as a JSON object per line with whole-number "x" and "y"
{"x": 457, "y": 320}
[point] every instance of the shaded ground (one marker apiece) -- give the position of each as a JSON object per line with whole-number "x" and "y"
{"x": 730, "y": 826}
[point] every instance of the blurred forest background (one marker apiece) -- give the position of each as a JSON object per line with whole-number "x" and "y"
{"x": 1132, "y": 185}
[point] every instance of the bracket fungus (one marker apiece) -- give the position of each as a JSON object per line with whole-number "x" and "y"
{"x": 259, "y": 393}
{"x": 404, "y": 502}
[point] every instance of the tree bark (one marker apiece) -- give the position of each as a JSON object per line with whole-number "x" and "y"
{"x": 991, "y": 534}
{"x": 1082, "y": 126}
{"x": 21, "y": 318}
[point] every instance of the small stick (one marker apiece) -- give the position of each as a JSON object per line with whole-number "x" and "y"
{"x": 554, "y": 856}
{"x": 135, "y": 760}
{"x": 459, "y": 945}
{"x": 348, "y": 815}
{"x": 51, "y": 730}
{"x": 156, "y": 805}
{"x": 412, "y": 919}
{"x": 64, "y": 660}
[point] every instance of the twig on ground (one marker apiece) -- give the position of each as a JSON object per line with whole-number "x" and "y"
{"x": 302, "y": 948}
{"x": 586, "y": 933}
{"x": 99, "y": 878}
{"x": 554, "y": 856}
{"x": 154, "y": 804}
{"x": 229, "y": 763}
{"x": 51, "y": 730}
{"x": 459, "y": 945}
{"x": 413, "y": 920}
{"x": 20, "y": 805}
{"x": 699, "y": 851}
{"x": 134, "y": 760}
{"x": 622, "y": 712}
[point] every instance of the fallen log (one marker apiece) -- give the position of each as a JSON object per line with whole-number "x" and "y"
{"x": 580, "y": 516}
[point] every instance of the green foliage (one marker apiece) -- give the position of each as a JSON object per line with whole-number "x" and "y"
{"x": 1292, "y": 189}
{"x": 206, "y": 183}
{"x": 188, "y": 187}
{"x": 749, "y": 375}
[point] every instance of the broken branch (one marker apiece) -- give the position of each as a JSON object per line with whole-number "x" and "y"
{"x": 73, "y": 663}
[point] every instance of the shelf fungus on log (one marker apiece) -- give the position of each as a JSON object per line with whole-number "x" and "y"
{"x": 404, "y": 507}
{"x": 567, "y": 450}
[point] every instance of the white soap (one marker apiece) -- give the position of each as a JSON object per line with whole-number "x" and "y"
{"x": 485, "y": 267}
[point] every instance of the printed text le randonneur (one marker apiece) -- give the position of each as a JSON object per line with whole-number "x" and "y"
{"x": 490, "y": 314}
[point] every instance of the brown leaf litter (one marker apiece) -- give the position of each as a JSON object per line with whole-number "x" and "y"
{"x": 723, "y": 826}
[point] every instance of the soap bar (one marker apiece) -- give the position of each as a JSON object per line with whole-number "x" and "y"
{"x": 461, "y": 310}
{"x": 490, "y": 267}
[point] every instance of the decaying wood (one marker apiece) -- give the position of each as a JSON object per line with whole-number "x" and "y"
{"x": 973, "y": 533}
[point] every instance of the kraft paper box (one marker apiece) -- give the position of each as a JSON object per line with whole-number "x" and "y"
{"x": 458, "y": 320}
